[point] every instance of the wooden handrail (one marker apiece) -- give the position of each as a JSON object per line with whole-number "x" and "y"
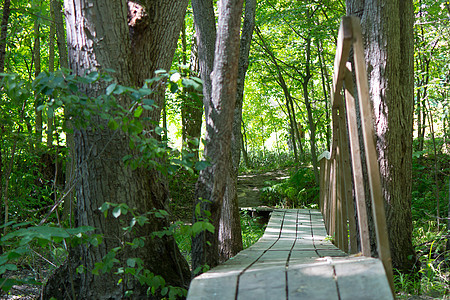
{"x": 339, "y": 190}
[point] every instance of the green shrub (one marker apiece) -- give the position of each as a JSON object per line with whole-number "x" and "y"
{"x": 299, "y": 190}
{"x": 252, "y": 230}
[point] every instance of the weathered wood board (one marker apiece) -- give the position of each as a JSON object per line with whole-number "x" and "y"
{"x": 293, "y": 260}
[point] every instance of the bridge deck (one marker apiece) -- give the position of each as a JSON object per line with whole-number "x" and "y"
{"x": 293, "y": 260}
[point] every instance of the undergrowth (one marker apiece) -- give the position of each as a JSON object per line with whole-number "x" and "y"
{"x": 431, "y": 278}
{"x": 298, "y": 191}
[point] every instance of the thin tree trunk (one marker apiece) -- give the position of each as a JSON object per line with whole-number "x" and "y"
{"x": 69, "y": 200}
{"x": 219, "y": 111}
{"x": 192, "y": 108}
{"x": 51, "y": 68}
{"x": 447, "y": 245}
{"x": 436, "y": 169}
{"x": 4, "y": 34}
{"x": 289, "y": 103}
{"x": 325, "y": 87}
{"x": 312, "y": 125}
{"x": 37, "y": 71}
{"x": 60, "y": 36}
{"x": 3, "y": 39}
{"x": 244, "y": 146}
{"x": 230, "y": 235}
{"x": 294, "y": 121}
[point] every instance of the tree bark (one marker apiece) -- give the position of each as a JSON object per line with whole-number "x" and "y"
{"x": 219, "y": 110}
{"x": 312, "y": 125}
{"x": 388, "y": 33}
{"x": 326, "y": 92}
{"x": 112, "y": 36}
{"x": 51, "y": 68}
{"x": 69, "y": 201}
{"x": 37, "y": 71}
{"x": 230, "y": 233}
{"x": 4, "y": 33}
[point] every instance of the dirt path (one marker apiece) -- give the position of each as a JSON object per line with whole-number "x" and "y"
{"x": 250, "y": 185}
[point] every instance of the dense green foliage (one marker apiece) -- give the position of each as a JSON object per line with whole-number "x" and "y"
{"x": 32, "y": 171}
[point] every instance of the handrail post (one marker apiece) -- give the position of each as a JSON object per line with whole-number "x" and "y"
{"x": 336, "y": 199}
{"x": 371, "y": 153}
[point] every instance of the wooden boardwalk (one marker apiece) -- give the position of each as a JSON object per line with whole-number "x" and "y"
{"x": 293, "y": 260}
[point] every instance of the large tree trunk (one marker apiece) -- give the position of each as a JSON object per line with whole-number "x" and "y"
{"x": 219, "y": 110}
{"x": 388, "y": 31}
{"x": 230, "y": 235}
{"x": 134, "y": 46}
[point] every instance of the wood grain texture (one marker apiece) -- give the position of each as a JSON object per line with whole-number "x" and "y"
{"x": 293, "y": 260}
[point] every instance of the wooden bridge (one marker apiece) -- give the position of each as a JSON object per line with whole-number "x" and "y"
{"x": 295, "y": 258}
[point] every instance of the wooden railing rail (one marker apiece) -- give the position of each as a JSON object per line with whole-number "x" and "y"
{"x": 341, "y": 172}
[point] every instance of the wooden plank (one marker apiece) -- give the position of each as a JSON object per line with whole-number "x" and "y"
{"x": 342, "y": 52}
{"x": 302, "y": 257}
{"x": 362, "y": 278}
{"x": 371, "y": 154}
{"x": 290, "y": 268}
{"x": 347, "y": 192}
{"x": 283, "y": 244}
{"x": 213, "y": 287}
{"x": 266, "y": 278}
{"x": 356, "y": 164}
{"x": 323, "y": 186}
{"x": 264, "y": 283}
{"x": 332, "y": 212}
{"x": 313, "y": 281}
{"x": 331, "y": 252}
{"x": 221, "y": 281}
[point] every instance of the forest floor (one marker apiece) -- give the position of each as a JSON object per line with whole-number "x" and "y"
{"x": 249, "y": 189}
{"x": 250, "y": 185}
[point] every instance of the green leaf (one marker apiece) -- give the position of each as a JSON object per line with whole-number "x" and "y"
{"x": 201, "y": 165}
{"x": 159, "y": 130}
{"x": 131, "y": 262}
{"x": 112, "y": 124}
{"x": 197, "y": 228}
{"x": 208, "y": 226}
{"x": 116, "y": 212}
{"x": 148, "y": 102}
{"x": 93, "y": 76}
{"x": 110, "y": 89}
{"x": 145, "y": 91}
{"x": 80, "y": 269}
{"x": 164, "y": 291}
{"x": 138, "y": 112}
{"x": 104, "y": 208}
{"x": 173, "y": 87}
